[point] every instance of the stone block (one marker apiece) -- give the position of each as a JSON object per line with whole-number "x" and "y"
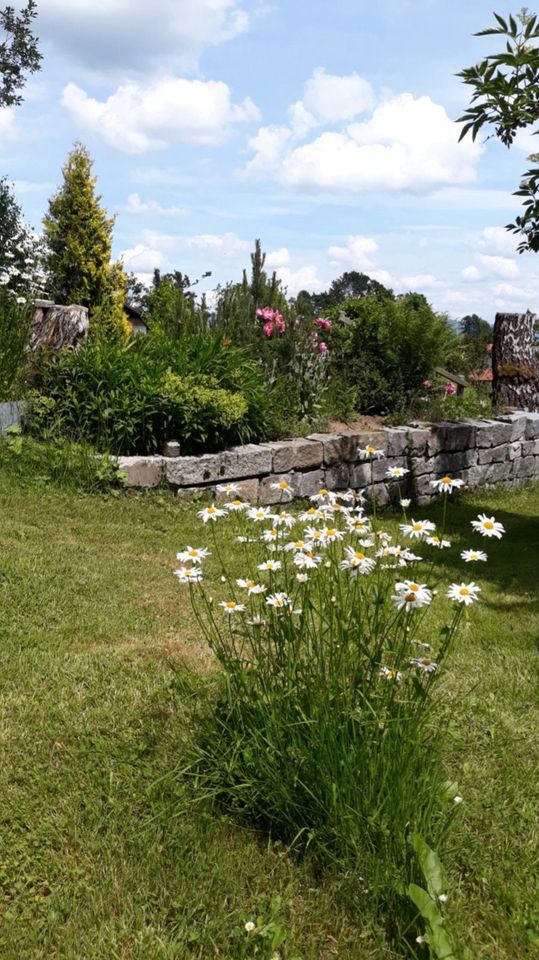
{"x": 474, "y": 476}
{"x": 338, "y": 477}
{"x": 310, "y": 482}
{"x": 532, "y": 426}
{"x": 525, "y": 467}
{"x": 267, "y": 495}
{"x": 515, "y": 450}
{"x": 250, "y": 460}
{"x": 381, "y": 494}
{"x": 456, "y": 436}
{"x": 297, "y": 455}
{"x": 530, "y": 448}
{"x": 142, "y": 471}
{"x": 171, "y": 449}
{"x": 517, "y": 422}
{"x": 423, "y": 465}
{"x": 247, "y": 490}
{"x": 453, "y": 461}
{"x": 332, "y": 446}
{"x": 493, "y": 454}
{"x": 419, "y": 439}
{"x": 11, "y": 415}
{"x": 189, "y": 471}
{"x": 492, "y": 433}
{"x": 353, "y": 441}
{"x": 498, "y": 472}
{"x": 396, "y": 441}
{"x": 196, "y": 493}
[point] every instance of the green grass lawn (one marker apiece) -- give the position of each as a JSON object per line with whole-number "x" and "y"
{"x": 102, "y": 852}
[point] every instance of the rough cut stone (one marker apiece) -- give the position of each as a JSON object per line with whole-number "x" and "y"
{"x": 530, "y": 448}
{"x": 517, "y": 422}
{"x": 492, "y": 433}
{"x": 419, "y": 439}
{"x": 338, "y": 477}
{"x": 142, "y": 471}
{"x": 396, "y": 441}
{"x": 266, "y": 493}
{"x": 353, "y": 441}
{"x": 247, "y": 490}
{"x": 456, "y": 436}
{"x": 455, "y": 460}
{"x": 297, "y": 455}
{"x": 57, "y": 327}
{"x": 310, "y": 482}
{"x": 494, "y": 454}
{"x": 525, "y": 467}
{"x": 188, "y": 471}
{"x": 532, "y": 426}
{"x": 247, "y": 461}
{"x": 196, "y": 493}
{"x": 11, "y": 415}
{"x": 332, "y": 446}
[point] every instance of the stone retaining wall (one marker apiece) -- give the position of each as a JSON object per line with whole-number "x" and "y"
{"x": 480, "y": 452}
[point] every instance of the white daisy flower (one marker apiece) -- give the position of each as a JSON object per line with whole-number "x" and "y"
{"x": 417, "y": 529}
{"x": 307, "y": 560}
{"x": 388, "y": 674}
{"x": 315, "y": 535}
{"x": 357, "y": 560}
{"x": 193, "y": 555}
{"x": 323, "y": 494}
{"x": 251, "y": 586}
{"x": 411, "y": 596}
{"x": 241, "y": 539}
{"x": 227, "y": 488}
{"x": 283, "y": 487}
{"x": 331, "y": 534}
{"x": 211, "y": 513}
{"x": 457, "y": 799}
{"x": 446, "y": 485}
{"x": 188, "y": 574}
{"x": 302, "y": 577}
{"x": 464, "y": 592}
{"x": 358, "y": 525}
{"x": 270, "y": 565}
{"x": 405, "y": 503}
{"x": 258, "y": 514}
{"x": 269, "y": 536}
{"x": 279, "y": 600}
{"x": 436, "y": 541}
{"x": 425, "y": 664}
{"x": 310, "y": 515}
{"x": 470, "y": 556}
{"x": 370, "y": 453}
{"x": 296, "y": 545}
{"x": 284, "y": 519}
{"x": 230, "y": 607}
{"x": 396, "y": 473}
{"x": 237, "y": 505}
{"x": 20, "y": 300}
{"x": 250, "y": 926}
{"x": 488, "y": 526}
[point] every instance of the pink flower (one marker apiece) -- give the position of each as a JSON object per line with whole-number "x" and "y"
{"x": 268, "y": 329}
{"x": 450, "y": 389}
{"x": 426, "y": 383}
{"x": 273, "y": 321}
{"x": 323, "y": 323}
{"x": 323, "y": 347}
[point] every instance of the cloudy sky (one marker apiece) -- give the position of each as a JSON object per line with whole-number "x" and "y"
{"x": 326, "y": 129}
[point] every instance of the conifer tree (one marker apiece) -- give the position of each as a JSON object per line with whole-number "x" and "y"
{"x": 78, "y": 236}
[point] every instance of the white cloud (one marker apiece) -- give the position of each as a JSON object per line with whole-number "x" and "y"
{"x": 278, "y": 258}
{"x": 470, "y": 273}
{"x": 304, "y": 278}
{"x": 133, "y": 34}
{"x": 333, "y": 98}
{"x": 499, "y": 266}
{"x": 141, "y": 117}
{"x": 214, "y": 246}
{"x": 407, "y": 143}
{"x": 357, "y": 253}
{"x": 143, "y": 259}
{"x": 498, "y": 240}
{"x": 516, "y": 293}
{"x": 7, "y": 124}
{"x": 422, "y": 281}
{"x": 136, "y": 206}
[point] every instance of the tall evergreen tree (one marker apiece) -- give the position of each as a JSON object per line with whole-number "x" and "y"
{"x": 78, "y": 235}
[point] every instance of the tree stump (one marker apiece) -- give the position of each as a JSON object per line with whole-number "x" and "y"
{"x": 57, "y": 327}
{"x": 515, "y": 364}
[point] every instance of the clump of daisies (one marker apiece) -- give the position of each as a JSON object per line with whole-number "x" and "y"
{"x": 332, "y": 634}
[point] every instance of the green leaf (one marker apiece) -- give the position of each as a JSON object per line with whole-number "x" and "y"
{"x": 439, "y": 942}
{"x": 431, "y": 866}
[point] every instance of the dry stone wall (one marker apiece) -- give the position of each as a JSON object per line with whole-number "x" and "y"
{"x": 480, "y": 452}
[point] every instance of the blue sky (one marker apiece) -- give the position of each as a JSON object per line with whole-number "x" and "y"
{"x": 325, "y": 128}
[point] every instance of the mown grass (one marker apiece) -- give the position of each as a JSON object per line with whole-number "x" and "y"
{"x": 104, "y": 855}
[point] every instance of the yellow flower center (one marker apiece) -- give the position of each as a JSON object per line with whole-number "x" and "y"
{"x": 488, "y": 525}
{"x": 331, "y": 533}
{"x": 312, "y": 512}
{"x": 426, "y": 662}
{"x": 283, "y": 485}
{"x": 359, "y": 556}
{"x": 211, "y": 509}
{"x": 250, "y": 583}
{"x": 230, "y": 604}
{"x": 436, "y": 539}
{"x": 464, "y": 592}
{"x": 413, "y": 586}
{"x": 298, "y": 544}
{"x": 323, "y": 492}
{"x": 273, "y": 532}
{"x": 193, "y": 553}
{"x": 446, "y": 480}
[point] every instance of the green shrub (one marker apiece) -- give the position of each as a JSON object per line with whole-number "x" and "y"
{"x": 57, "y": 462}
{"x": 386, "y": 348}
{"x": 15, "y": 325}
{"x": 131, "y": 397}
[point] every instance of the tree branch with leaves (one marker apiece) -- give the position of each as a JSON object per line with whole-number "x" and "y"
{"x": 19, "y": 53}
{"x": 506, "y": 97}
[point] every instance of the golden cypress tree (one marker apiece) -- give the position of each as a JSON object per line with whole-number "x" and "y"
{"x": 78, "y": 236}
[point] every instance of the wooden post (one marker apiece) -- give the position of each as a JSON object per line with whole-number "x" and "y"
{"x": 515, "y": 365}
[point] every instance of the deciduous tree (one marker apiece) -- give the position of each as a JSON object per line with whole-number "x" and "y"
{"x": 19, "y": 53}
